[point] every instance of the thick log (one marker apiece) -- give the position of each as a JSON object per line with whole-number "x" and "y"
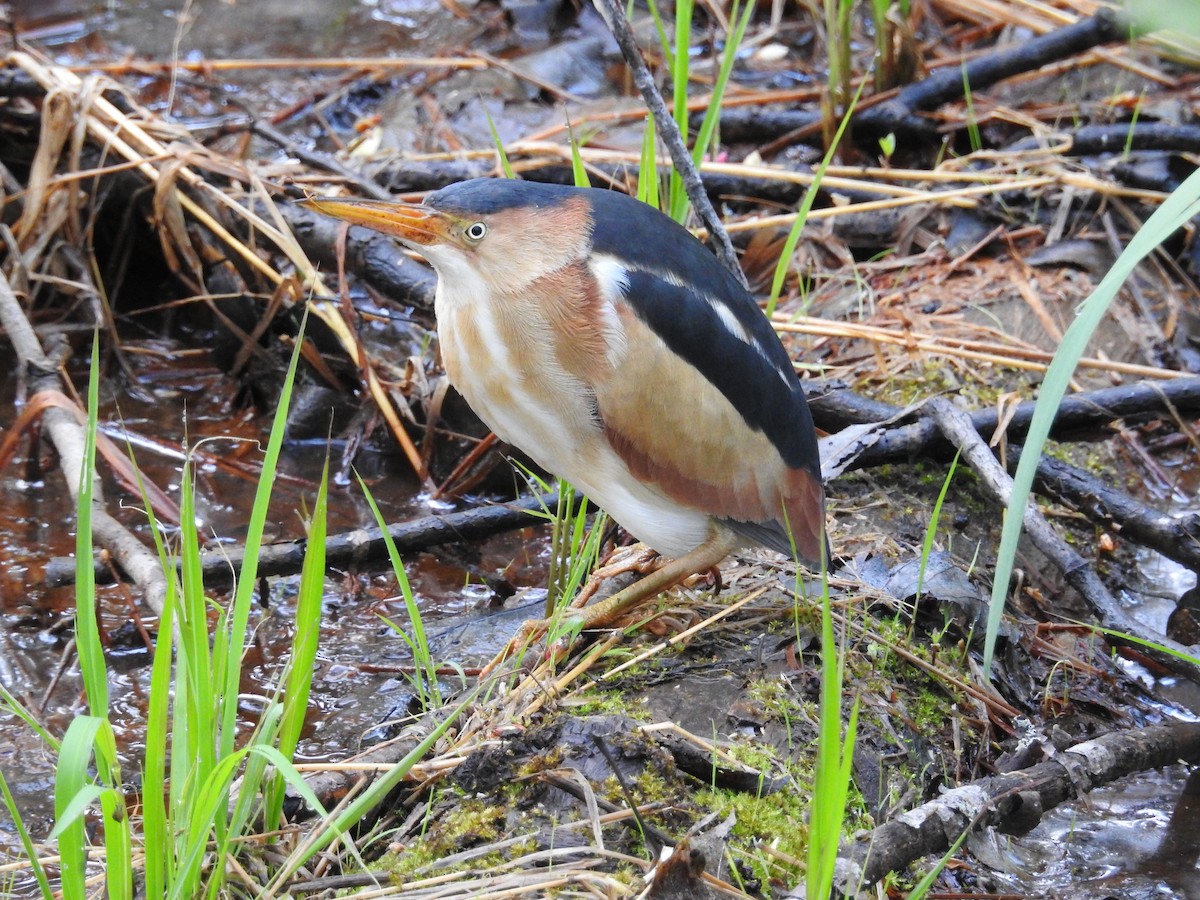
{"x": 1016, "y": 797}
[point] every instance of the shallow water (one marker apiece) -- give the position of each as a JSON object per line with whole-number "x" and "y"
{"x": 1136, "y": 838}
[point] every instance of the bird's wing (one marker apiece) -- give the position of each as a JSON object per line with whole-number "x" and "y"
{"x": 705, "y": 406}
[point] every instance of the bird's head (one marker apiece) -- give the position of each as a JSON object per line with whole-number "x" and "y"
{"x": 505, "y": 234}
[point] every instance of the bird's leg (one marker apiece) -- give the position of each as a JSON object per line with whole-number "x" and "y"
{"x": 720, "y": 544}
{"x": 636, "y": 558}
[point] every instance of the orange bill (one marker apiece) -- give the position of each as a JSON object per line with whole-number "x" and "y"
{"x": 409, "y": 222}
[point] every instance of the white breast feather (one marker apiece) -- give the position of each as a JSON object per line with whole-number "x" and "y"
{"x": 577, "y": 455}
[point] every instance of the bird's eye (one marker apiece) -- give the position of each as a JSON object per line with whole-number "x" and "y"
{"x": 476, "y": 231}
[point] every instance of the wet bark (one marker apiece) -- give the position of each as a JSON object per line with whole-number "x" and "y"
{"x": 1017, "y": 799}
{"x": 363, "y": 547}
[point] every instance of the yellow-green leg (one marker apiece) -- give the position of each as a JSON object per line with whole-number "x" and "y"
{"x": 709, "y": 554}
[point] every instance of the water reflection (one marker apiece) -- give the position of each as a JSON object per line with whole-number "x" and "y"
{"x": 1118, "y": 841}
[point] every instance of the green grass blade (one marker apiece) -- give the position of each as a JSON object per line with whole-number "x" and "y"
{"x": 973, "y": 134}
{"x": 158, "y": 844}
{"x": 831, "y": 782}
{"x": 504, "y": 164}
{"x": 712, "y": 115}
{"x": 208, "y": 799}
{"x": 793, "y": 238}
{"x": 677, "y": 198}
{"x": 664, "y": 40}
{"x": 298, "y": 683}
{"x": 156, "y": 822}
{"x": 1142, "y": 642}
{"x": 578, "y": 170}
{"x": 255, "y": 780}
{"x": 922, "y": 887}
{"x": 247, "y": 579}
{"x": 26, "y": 841}
{"x": 1175, "y": 211}
{"x": 19, "y": 710}
{"x": 199, "y": 697}
{"x": 118, "y": 829}
{"x": 73, "y": 790}
{"x": 426, "y": 683}
{"x": 931, "y": 529}
{"x": 647, "y": 184}
{"x": 87, "y": 627}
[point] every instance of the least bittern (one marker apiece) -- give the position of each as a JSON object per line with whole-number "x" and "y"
{"x": 602, "y": 339}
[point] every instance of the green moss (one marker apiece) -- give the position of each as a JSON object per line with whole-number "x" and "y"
{"x": 651, "y": 786}
{"x": 601, "y": 703}
{"x": 929, "y": 710}
{"x": 776, "y": 697}
{"x": 470, "y": 823}
{"x": 539, "y": 763}
{"x": 780, "y": 819}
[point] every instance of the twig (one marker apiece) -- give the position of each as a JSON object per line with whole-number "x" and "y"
{"x": 669, "y": 130}
{"x": 957, "y": 426}
{"x": 319, "y": 161}
{"x": 68, "y": 438}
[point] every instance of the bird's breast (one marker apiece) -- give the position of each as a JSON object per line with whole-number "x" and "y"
{"x": 530, "y": 367}
{"x": 504, "y": 355}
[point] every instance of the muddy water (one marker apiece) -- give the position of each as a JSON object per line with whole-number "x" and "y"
{"x": 357, "y": 685}
{"x": 211, "y": 29}
{"x": 1122, "y": 842}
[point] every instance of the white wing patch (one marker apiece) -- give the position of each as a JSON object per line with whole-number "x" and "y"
{"x": 610, "y": 273}
{"x": 613, "y": 277}
{"x": 613, "y": 280}
{"x": 728, "y": 319}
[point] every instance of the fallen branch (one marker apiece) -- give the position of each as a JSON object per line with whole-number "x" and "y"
{"x": 957, "y": 426}
{"x": 67, "y": 435}
{"x": 902, "y": 114}
{"x": 1078, "y": 413}
{"x": 1022, "y": 796}
{"x": 949, "y": 83}
{"x": 362, "y": 547}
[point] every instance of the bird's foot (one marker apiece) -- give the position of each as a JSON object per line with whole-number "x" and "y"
{"x": 637, "y": 559}
{"x": 563, "y": 629}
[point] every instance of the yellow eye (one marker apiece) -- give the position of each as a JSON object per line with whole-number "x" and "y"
{"x": 476, "y": 231}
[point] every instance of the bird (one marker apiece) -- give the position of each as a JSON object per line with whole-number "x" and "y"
{"x": 601, "y": 338}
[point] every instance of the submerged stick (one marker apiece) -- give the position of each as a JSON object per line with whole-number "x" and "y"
{"x": 360, "y": 547}
{"x": 67, "y": 435}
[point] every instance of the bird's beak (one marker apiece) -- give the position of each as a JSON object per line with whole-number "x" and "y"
{"x": 411, "y": 223}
